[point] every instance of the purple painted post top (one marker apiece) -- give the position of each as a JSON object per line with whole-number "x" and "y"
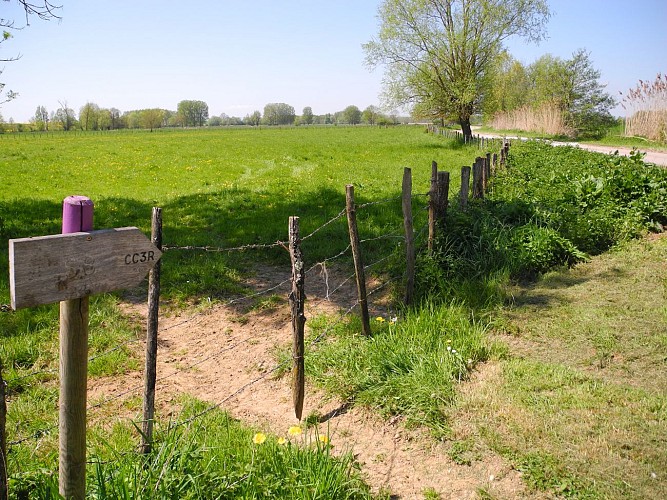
{"x": 77, "y": 214}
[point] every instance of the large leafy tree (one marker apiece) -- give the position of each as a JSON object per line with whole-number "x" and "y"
{"x": 279, "y": 113}
{"x": 352, "y": 115}
{"x": 192, "y": 113}
{"x": 439, "y": 53}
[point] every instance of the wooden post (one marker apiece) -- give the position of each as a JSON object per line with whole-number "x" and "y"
{"x": 77, "y": 216}
{"x": 4, "y": 489}
{"x": 297, "y": 298}
{"x": 488, "y": 166}
{"x": 356, "y": 255}
{"x": 409, "y": 236}
{"x": 151, "y": 337}
{"x": 485, "y": 179}
{"x": 442, "y": 197}
{"x": 432, "y": 205}
{"x": 465, "y": 187}
{"x": 477, "y": 180}
{"x": 494, "y": 164}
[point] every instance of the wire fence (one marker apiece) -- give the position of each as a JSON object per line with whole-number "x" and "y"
{"x": 331, "y": 289}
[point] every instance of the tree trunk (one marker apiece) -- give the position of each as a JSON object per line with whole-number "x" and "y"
{"x": 465, "y": 128}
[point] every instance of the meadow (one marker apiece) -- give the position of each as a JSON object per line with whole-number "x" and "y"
{"x": 551, "y": 209}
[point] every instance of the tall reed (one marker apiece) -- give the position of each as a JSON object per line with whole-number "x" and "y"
{"x": 646, "y": 107}
{"x": 545, "y": 119}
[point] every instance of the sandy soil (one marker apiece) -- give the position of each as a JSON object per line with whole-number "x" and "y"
{"x": 226, "y": 349}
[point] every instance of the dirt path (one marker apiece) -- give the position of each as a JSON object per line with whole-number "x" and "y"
{"x": 212, "y": 355}
{"x": 656, "y": 157}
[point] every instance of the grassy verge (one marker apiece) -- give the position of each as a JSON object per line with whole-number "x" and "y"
{"x": 579, "y": 406}
{"x": 409, "y": 367}
{"x": 534, "y": 413}
{"x": 212, "y": 457}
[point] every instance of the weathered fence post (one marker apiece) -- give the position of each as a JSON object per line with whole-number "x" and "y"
{"x": 151, "y": 337}
{"x": 477, "y": 179}
{"x": 409, "y": 236}
{"x": 356, "y": 255}
{"x": 494, "y": 164}
{"x": 77, "y": 216}
{"x": 432, "y": 205}
{"x": 488, "y": 166}
{"x": 442, "y": 198}
{"x": 465, "y": 187}
{"x": 4, "y": 488}
{"x": 297, "y": 299}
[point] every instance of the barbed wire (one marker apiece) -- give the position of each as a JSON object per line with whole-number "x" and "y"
{"x": 330, "y": 221}
{"x": 42, "y": 432}
{"x": 51, "y": 371}
{"x": 165, "y": 377}
{"x": 377, "y": 202}
{"x": 259, "y": 378}
{"x": 208, "y": 248}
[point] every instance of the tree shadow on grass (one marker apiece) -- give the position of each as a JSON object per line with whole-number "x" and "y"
{"x": 223, "y": 219}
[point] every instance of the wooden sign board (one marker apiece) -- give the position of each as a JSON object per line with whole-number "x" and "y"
{"x": 48, "y": 269}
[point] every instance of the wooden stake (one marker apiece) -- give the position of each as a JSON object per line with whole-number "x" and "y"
{"x": 356, "y": 255}
{"x": 432, "y": 205}
{"x": 409, "y": 236}
{"x": 77, "y": 216}
{"x": 487, "y": 165}
{"x": 465, "y": 187}
{"x": 442, "y": 197}
{"x": 297, "y": 299}
{"x": 150, "y": 371}
{"x": 4, "y": 489}
{"x": 477, "y": 179}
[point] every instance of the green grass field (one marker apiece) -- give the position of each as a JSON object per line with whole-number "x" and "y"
{"x": 225, "y": 188}
{"x": 217, "y": 188}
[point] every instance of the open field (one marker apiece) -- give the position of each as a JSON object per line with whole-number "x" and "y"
{"x": 454, "y": 398}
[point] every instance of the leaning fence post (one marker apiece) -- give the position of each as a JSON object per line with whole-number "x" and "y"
{"x": 409, "y": 236}
{"x": 432, "y": 205}
{"x": 297, "y": 298}
{"x": 465, "y": 187}
{"x": 77, "y": 216}
{"x": 4, "y": 489}
{"x": 151, "y": 336}
{"x": 356, "y": 255}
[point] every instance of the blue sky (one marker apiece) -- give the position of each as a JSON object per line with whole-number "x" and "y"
{"x": 239, "y": 55}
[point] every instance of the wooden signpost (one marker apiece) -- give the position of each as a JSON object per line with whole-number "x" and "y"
{"x": 49, "y": 269}
{"x": 67, "y": 268}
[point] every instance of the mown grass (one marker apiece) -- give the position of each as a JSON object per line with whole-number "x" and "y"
{"x": 579, "y": 406}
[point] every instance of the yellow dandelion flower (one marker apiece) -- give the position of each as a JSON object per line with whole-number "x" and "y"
{"x": 295, "y": 430}
{"x": 380, "y": 319}
{"x": 259, "y": 438}
{"x": 324, "y": 439}
{"x": 282, "y": 441}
